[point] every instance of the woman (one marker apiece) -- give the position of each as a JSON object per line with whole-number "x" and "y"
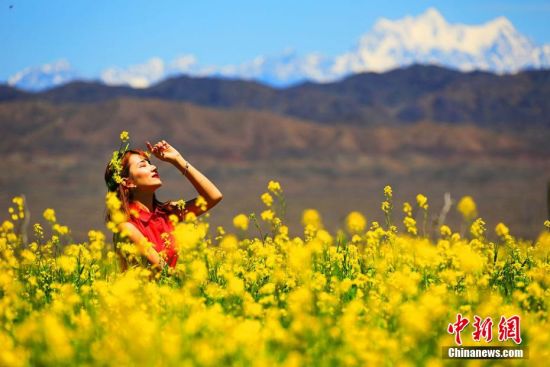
{"x": 148, "y": 218}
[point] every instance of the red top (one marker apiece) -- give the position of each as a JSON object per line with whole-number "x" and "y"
{"x": 154, "y": 225}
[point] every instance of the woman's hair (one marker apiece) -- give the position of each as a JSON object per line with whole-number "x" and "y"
{"x": 123, "y": 193}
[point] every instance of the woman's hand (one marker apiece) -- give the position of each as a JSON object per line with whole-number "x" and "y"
{"x": 164, "y": 151}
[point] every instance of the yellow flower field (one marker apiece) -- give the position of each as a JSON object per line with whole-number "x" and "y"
{"x": 252, "y": 295}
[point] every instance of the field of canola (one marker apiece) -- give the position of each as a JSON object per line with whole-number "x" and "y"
{"x": 252, "y": 296}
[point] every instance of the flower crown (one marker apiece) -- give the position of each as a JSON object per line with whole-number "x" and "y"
{"x": 116, "y": 162}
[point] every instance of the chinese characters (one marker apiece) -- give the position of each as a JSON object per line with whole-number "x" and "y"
{"x": 508, "y": 328}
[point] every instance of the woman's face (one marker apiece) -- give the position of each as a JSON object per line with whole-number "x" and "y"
{"x": 143, "y": 174}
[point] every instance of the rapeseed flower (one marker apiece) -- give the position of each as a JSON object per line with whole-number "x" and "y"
{"x": 67, "y": 264}
{"x": 201, "y": 202}
{"x": 407, "y": 209}
{"x": 355, "y": 222}
{"x": 477, "y": 228}
{"x": 422, "y": 201}
{"x": 38, "y": 230}
{"x": 267, "y": 199}
{"x": 445, "y": 231}
{"x": 360, "y": 296}
{"x": 241, "y": 222}
{"x": 410, "y": 225}
{"x": 7, "y": 226}
{"x": 388, "y": 192}
{"x": 62, "y": 230}
{"x": 467, "y": 207}
{"x": 311, "y": 217}
{"x": 49, "y": 215}
{"x": 267, "y": 215}
{"x": 501, "y": 230}
{"x": 124, "y": 136}
{"x": 274, "y": 187}
{"x": 229, "y": 243}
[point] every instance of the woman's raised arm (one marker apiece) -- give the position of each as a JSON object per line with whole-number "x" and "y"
{"x": 211, "y": 194}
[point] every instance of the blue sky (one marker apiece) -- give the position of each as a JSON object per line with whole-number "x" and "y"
{"x": 94, "y": 35}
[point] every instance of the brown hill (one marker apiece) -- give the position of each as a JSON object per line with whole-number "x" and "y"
{"x": 401, "y": 96}
{"x": 56, "y": 154}
{"x": 238, "y": 134}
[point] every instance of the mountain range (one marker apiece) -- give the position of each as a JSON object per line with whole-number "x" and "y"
{"x": 428, "y": 38}
{"x": 401, "y": 96}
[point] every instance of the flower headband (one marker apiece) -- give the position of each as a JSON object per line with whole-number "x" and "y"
{"x": 116, "y": 162}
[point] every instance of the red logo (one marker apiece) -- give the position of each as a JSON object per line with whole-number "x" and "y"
{"x": 508, "y": 328}
{"x": 483, "y": 329}
{"x": 457, "y": 327}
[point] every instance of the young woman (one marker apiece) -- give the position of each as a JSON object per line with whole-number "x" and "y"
{"x": 148, "y": 218}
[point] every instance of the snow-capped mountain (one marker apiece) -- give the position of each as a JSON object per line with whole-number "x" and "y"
{"x": 44, "y": 76}
{"x": 425, "y": 39}
{"x": 283, "y": 69}
{"x": 428, "y": 39}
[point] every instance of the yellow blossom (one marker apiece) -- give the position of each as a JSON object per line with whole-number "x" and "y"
{"x": 445, "y": 231}
{"x": 312, "y": 217}
{"x": 470, "y": 261}
{"x": 198, "y": 271}
{"x": 190, "y": 217}
{"x": 268, "y": 288}
{"x": 467, "y": 207}
{"x": 28, "y": 257}
{"x": 274, "y": 187}
{"x": 235, "y": 299}
{"x": 240, "y": 222}
{"x": 355, "y": 222}
{"x": 60, "y": 229}
{"x": 7, "y": 226}
{"x": 67, "y": 264}
{"x": 388, "y": 192}
{"x": 501, "y": 230}
{"x": 229, "y": 243}
{"x": 410, "y": 225}
{"x": 422, "y": 201}
{"x": 477, "y": 228}
{"x": 407, "y": 208}
{"x": 201, "y": 202}
{"x": 19, "y": 201}
{"x": 173, "y": 219}
{"x": 267, "y": 215}
{"x": 124, "y": 136}
{"x": 235, "y": 285}
{"x": 267, "y": 198}
{"x": 49, "y": 215}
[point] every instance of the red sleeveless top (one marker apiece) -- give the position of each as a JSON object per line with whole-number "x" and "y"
{"x": 157, "y": 228}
